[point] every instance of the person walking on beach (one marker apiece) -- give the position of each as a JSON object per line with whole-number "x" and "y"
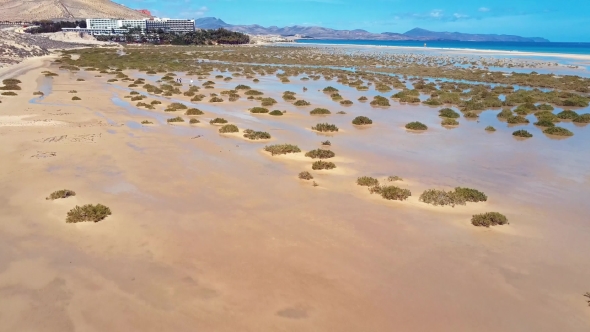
{"x": 191, "y": 84}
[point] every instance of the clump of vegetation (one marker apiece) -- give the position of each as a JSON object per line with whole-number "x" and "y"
{"x": 330, "y": 89}
{"x": 517, "y": 119}
{"x": 438, "y": 197}
{"x": 176, "y": 119}
{"x": 448, "y": 113}
{"x": 522, "y": 133}
{"x": 326, "y": 143}
{"x": 588, "y": 296}
{"x": 391, "y": 192}
{"x": 471, "y": 195}
{"x": 276, "y": 113}
{"x": 256, "y": 135}
{"x": 74, "y": 91}
{"x": 320, "y": 164}
{"x": 193, "y": 111}
{"x": 64, "y": 193}
{"x": 155, "y": 102}
{"x": 380, "y": 101}
{"x": 301, "y": 102}
{"x": 346, "y": 103}
{"x": 146, "y": 122}
{"x": 229, "y": 128}
{"x": 268, "y": 101}
{"x": 363, "y": 98}
{"x": 194, "y": 121}
{"x": 216, "y": 100}
{"x": 258, "y": 110}
{"x": 367, "y": 181}
{"x": 282, "y": 149}
{"x": 393, "y": 178}
{"x": 470, "y": 115}
{"x": 544, "y": 123}
{"x": 567, "y": 115}
{"x": 242, "y": 87}
{"x": 9, "y": 93}
{"x": 490, "y": 128}
{"x": 449, "y": 122}
{"x": 558, "y": 131}
{"x": 505, "y": 114}
{"x": 88, "y": 212}
{"x": 362, "y": 120}
{"x": 320, "y": 154}
{"x": 38, "y": 93}
{"x": 325, "y": 127}
{"x": 76, "y": 98}
{"x": 416, "y": 126}
{"x": 218, "y": 121}
{"x": 489, "y": 219}
{"x": 253, "y": 93}
{"x": 305, "y": 175}
{"x": 320, "y": 111}
{"x": 584, "y": 118}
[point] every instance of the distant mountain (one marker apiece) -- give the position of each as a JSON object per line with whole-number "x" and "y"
{"x": 327, "y": 33}
{"x": 19, "y": 10}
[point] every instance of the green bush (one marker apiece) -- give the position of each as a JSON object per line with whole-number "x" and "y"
{"x": 253, "y": 93}
{"x": 88, "y": 212}
{"x": 76, "y": 98}
{"x": 326, "y": 143}
{"x": 194, "y": 121}
{"x": 242, "y": 87}
{"x": 470, "y": 115}
{"x": 567, "y": 115}
{"x": 545, "y": 107}
{"x": 320, "y": 154}
{"x": 490, "y": 128}
{"x": 449, "y": 122}
{"x": 489, "y": 219}
{"x": 471, "y": 195}
{"x": 256, "y": 135}
{"x": 64, "y": 193}
{"x": 522, "y": 133}
{"x": 229, "y": 128}
{"x": 336, "y": 96}
{"x": 544, "y": 123}
{"x": 448, "y": 113}
{"x": 346, "y": 102}
{"x": 416, "y": 126}
{"x": 391, "y": 192}
{"x": 193, "y": 111}
{"x": 258, "y": 110}
{"x": 218, "y": 121}
{"x": 268, "y": 101}
{"x": 155, "y": 102}
{"x": 557, "y": 131}
{"x": 362, "y": 120}
{"x": 393, "y": 178}
{"x": 276, "y": 113}
{"x": 145, "y": 122}
{"x": 325, "y": 127}
{"x": 367, "y": 181}
{"x": 505, "y": 114}
{"x": 330, "y": 89}
{"x": 320, "y": 164}
{"x": 584, "y": 118}
{"x": 216, "y": 100}
{"x": 380, "y": 101}
{"x": 11, "y": 81}
{"x": 8, "y": 93}
{"x": 282, "y": 149}
{"x": 320, "y": 111}
{"x": 301, "y": 102}
{"x": 441, "y": 197}
{"x": 517, "y": 119}
{"x": 176, "y": 119}
{"x": 363, "y": 98}
{"x": 305, "y": 175}
{"x": 38, "y": 93}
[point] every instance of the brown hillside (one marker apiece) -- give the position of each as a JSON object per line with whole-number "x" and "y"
{"x": 30, "y": 10}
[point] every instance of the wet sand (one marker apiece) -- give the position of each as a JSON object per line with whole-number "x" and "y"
{"x": 214, "y": 234}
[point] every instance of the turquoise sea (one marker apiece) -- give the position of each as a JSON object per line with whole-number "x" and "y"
{"x": 562, "y": 48}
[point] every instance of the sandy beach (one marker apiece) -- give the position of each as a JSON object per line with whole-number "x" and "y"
{"x": 210, "y": 232}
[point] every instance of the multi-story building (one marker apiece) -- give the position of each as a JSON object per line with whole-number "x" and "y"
{"x": 102, "y": 23}
{"x": 170, "y": 25}
{"x": 132, "y": 24}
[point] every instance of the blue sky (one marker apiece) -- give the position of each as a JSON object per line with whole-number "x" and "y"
{"x": 565, "y": 20}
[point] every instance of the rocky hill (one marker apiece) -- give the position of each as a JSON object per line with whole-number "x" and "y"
{"x": 26, "y": 10}
{"x": 327, "y": 33}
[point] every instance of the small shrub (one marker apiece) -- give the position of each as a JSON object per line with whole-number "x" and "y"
{"x": 448, "y": 113}
{"x": 193, "y": 111}
{"x": 346, "y": 102}
{"x": 326, "y": 143}
{"x": 253, "y": 93}
{"x": 65, "y": 193}
{"x": 505, "y": 114}
{"x": 544, "y": 123}
{"x": 112, "y": 80}
{"x": 470, "y": 115}
{"x": 588, "y": 296}
{"x": 489, "y": 219}
{"x": 449, "y": 122}
{"x": 268, "y": 101}
{"x": 11, "y": 81}
{"x": 320, "y": 154}
{"x": 258, "y": 110}
{"x": 229, "y": 128}
{"x": 567, "y": 115}
{"x": 76, "y": 98}
{"x": 522, "y": 133}
{"x": 320, "y": 111}
{"x": 194, "y": 121}
{"x": 391, "y": 192}
{"x": 584, "y": 118}
{"x": 218, "y": 121}
{"x": 380, "y": 101}
{"x": 517, "y": 119}
{"x": 256, "y": 135}
{"x": 320, "y": 164}
{"x": 367, "y": 181}
{"x": 9, "y": 93}
{"x": 325, "y": 127}
{"x": 88, "y": 212}
{"x": 282, "y": 149}
{"x": 490, "y": 128}
{"x": 242, "y": 87}
{"x": 362, "y": 120}
{"x": 145, "y": 122}
{"x": 440, "y": 197}
{"x": 301, "y": 102}
{"x": 176, "y": 119}
{"x": 276, "y": 113}
{"x": 394, "y": 178}
{"x": 216, "y": 100}
{"x": 416, "y": 126}
{"x": 330, "y": 89}
{"x": 305, "y": 175}
{"x": 363, "y": 98}
{"x": 558, "y": 131}
{"x": 471, "y": 195}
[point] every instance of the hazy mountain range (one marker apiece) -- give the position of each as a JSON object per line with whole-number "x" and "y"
{"x": 327, "y": 33}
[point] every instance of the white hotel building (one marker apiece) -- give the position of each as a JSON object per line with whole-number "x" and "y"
{"x": 109, "y": 26}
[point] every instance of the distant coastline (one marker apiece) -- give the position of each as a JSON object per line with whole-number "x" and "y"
{"x": 556, "y": 48}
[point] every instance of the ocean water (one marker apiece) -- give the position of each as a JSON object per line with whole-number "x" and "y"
{"x": 558, "y": 48}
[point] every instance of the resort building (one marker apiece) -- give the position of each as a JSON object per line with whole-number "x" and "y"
{"x": 109, "y": 26}
{"x": 102, "y": 23}
{"x": 170, "y": 25}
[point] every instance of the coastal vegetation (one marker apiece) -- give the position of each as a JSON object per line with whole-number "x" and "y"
{"x": 362, "y": 120}
{"x": 489, "y": 219}
{"x": 416, "y": 126}
{"x": 367, "y": 181}
{"x": 320, "y": 154}
{"x": 228, "y": 128}
{"x": 276, "y": 113}
{"x": 391, "y": 192}
{"x": 255, "y": 135}
{"x": 320, "y": 164}
{"x": 305, "y": 175}
{"x": 320, "y": 111}
{"x": 449, "y": 122}
{"x": 176, "y": 119}
{"x": 218, "y": 121}
{"x": 64, "y": 193}
{"x": 279, "y": 149}
{"x": 522, "y": 133}
{"x": 88, "y": 212}
{"x": 325, "y": 127}
{"x": 558, "y": 131}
